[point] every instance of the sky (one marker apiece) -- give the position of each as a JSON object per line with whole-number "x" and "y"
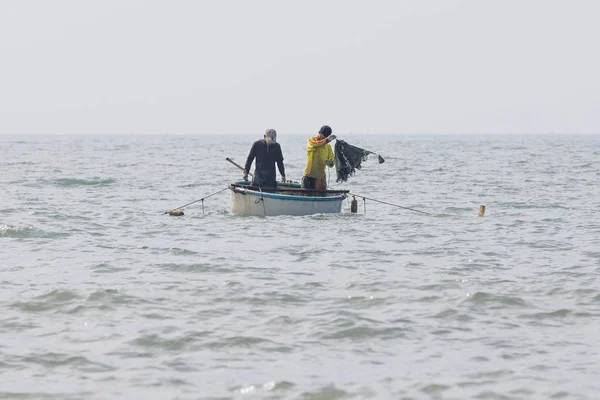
{"x": 240, "y": 67}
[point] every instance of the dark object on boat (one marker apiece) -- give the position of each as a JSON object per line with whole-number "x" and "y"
{"x": 348, "y": 159}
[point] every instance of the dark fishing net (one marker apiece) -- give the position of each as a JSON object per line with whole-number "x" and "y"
{"x": 348, "y": 159}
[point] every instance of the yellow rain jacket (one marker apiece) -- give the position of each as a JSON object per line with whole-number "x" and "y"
{"x": 317, "y": 151}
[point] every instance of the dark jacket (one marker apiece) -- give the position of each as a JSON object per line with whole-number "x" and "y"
{"x": 266, "y": 157}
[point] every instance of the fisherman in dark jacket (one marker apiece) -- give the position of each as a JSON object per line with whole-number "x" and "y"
{"x": 267, "y": 152}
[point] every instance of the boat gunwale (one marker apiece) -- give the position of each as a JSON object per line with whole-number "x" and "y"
{"x": 272, "y": 193}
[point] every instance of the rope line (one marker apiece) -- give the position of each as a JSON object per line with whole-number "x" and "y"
{"x": 385, "y": 202}
{"x": 202, "y": 200}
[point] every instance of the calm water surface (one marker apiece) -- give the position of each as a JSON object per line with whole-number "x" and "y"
{"x": 102, "y": 296}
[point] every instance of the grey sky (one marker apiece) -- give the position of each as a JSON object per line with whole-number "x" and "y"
{"x": 198, "y": 67}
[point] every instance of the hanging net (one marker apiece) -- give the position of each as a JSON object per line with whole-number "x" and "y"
{"x": 348, "y": 159}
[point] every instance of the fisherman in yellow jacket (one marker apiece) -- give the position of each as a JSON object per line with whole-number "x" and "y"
{"x": 318, "y": 155}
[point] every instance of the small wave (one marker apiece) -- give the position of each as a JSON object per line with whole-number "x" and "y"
{"x": 548, "y": 245}
{"x": 494, "y": 374}
{"x": 193, "y": 185}
{"x": 265, "y": 387}
{"x": 197, "y": 267}
{"x": 105, "y": 268}
{"x": 50, "y": 301}
{"x": 364, "y": 332}
{"x": 21, "y": 163}
{"x": 15, "y": 325}
{"x": 27, "y": 232}
{"x": 434, "y": 388}
{"x": 114, "y": 297}
{"x": 494, "y": 302}
{"x": 439, "y": 169}
{"x": 327, "y": 392}
{"x": 73, "y": 182}
{"x": 557, "y": 314}
{"x": 182, "y": 252}
{"x": 78, "y": 362}
{"x": 185, "y": 341}
{"x": 453, "y": 314}
{"x": 282, "y": 320}
{"x": 58, "y": 296}
{"x": 429, "y": 299}
{"x": 154, "y": 315}
{"x": 592, "y": 254}
{"x": 239, "y": 341}
{"x": 272, "y": 298}
{"x": 17, "y": 231}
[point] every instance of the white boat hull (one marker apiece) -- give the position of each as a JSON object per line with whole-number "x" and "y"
{"x": 251, "y": 202}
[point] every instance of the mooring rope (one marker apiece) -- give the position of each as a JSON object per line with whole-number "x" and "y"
{"x": 195, "y": 201}
{"x": 385, "y": 202}
{"x": 262, "y": 199}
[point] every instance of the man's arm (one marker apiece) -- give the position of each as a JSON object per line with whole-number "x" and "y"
{"x": 249, "y": 160}
{"x": 315, "y": 144}
{"x": 330, "y": 157}
{"x": 280, "y": 165}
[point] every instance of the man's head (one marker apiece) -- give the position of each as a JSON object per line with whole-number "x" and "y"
{"x": 325, "y": 131}
{"x": 270, "y": 136}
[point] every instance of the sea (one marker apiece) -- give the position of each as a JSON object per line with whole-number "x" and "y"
{"x": 415, "y": 296}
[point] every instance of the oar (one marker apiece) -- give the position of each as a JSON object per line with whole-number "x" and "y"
{"x": 238, "y": 165}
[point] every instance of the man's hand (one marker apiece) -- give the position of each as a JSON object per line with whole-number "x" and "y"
{"x": 329, "y": 163}
{"x": 245, "y": 177}
{"x": 283, "y": 178}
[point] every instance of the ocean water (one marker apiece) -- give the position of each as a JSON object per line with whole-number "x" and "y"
{"x": 102, "y": 296}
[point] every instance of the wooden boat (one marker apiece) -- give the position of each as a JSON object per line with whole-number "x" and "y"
{"x": 286, "y": 199}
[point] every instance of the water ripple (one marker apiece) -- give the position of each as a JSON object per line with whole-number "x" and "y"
{"x": 104, "y": 296}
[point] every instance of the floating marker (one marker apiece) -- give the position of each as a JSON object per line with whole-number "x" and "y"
{"x": 176, "y": 213}
{"x": 481, "y": 210}
{"x": 354, "y": 205}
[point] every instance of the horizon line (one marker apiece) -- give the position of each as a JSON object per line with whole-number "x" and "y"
{"x": 297, "y": 134}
